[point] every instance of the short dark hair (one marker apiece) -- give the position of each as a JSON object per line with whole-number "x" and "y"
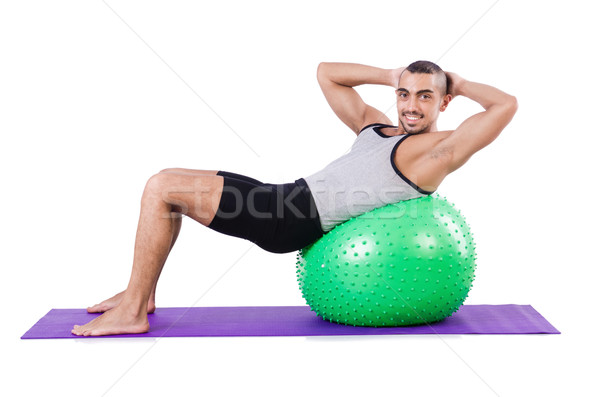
{"x": 428, "y": 68}
{"x": 424, "y": 67}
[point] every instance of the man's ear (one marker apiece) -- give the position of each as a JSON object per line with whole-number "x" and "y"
{"x": 445, "y": 101}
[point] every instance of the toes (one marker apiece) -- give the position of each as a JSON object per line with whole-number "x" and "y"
{"x": 98, "y": 308}
{"x": 76, "y": 330}
{"x": 82, "y": 330}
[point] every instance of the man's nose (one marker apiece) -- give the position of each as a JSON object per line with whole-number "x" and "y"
{"x": 412, "y": 104}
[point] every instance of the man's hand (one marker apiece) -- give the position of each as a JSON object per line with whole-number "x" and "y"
{"x": 395, "y": 76}
{"x": 455, "y": 83}
{"x": 337, "y": 81}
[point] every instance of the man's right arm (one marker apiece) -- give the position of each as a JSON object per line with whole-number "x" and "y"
{"x": 337, "y": 81}
{"x": 481, "y": 129}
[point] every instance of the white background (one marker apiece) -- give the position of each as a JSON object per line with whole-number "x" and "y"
{"x": 95, "y": 97}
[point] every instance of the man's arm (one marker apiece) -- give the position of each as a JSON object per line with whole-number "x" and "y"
{"x": 481, "y": 129}
{"x": 336, "y": 81}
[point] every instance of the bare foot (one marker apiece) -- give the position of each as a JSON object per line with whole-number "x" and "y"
{"x": 114, "y": 302}
{"x": 118, "y": 320}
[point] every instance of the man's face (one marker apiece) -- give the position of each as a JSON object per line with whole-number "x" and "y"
{"x": 419, "y": 101}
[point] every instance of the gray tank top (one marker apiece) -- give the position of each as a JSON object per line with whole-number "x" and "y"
{"x": 361, "y": 180}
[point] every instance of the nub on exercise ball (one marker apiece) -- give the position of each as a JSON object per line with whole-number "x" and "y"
{"x": 403, "y": 264}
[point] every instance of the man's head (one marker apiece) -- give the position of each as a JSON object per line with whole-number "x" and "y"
{"x": 421, "y": 95}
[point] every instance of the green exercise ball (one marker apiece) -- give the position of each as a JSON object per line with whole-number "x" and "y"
{"x": 403, "y": 264}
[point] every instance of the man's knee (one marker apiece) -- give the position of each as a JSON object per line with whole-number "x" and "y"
{"x": 195, "y": 192}
{"x": 162, "y": 182}
{"x": 163, "y": 188}
{"x": 157, "y": 184}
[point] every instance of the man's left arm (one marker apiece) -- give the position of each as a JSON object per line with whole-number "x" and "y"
{"x": 481, "y": 129}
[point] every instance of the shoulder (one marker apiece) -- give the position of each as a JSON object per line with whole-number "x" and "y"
{"x": 373, "y": 117}
{"x": 373, "y": 126}
{"x": 424, "y": 159}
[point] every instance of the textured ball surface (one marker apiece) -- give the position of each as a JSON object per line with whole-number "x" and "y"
{"x": 403, "y": 264}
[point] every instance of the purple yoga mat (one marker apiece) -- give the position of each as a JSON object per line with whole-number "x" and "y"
{"x": 296, "y": 321}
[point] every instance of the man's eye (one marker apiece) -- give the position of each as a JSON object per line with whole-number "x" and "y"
{"x": 425, "y": 97}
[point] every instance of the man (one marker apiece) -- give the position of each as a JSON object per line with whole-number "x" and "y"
{"x": 386, "y": 164}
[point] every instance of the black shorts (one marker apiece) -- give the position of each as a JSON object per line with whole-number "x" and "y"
{"x": 277, "y": 217}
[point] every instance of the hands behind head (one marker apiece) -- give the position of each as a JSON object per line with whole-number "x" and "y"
{"x": 454, "y": 83}
{"x": 395, "y": 76}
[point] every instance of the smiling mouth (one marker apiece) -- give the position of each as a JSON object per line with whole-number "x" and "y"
{"x": 412, "y": 118}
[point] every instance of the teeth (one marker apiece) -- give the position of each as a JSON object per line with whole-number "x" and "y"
{"x": 412, "y": 117}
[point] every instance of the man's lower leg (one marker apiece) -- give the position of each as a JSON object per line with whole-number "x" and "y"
{"x": 154, "y": 240}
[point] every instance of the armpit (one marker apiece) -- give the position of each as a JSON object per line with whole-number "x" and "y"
{"x": 441, "y": 152}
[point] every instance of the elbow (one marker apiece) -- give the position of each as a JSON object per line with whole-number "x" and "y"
{"x": 326, "y": 71}
{"x": 513, "y": 104}
{"x": 509, "y": 106}
{"x": 322, "y": 71}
